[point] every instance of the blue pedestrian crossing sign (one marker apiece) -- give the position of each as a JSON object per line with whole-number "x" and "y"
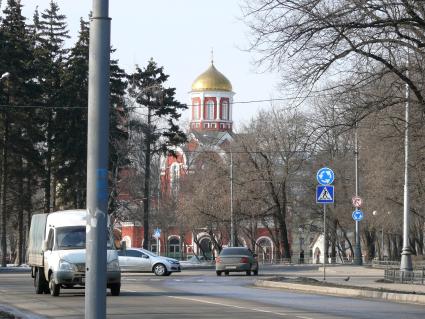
{"x": 357, "y": 215}
{"x": 324, "y": 194}
{"x": 325, "y": 176}
{"x": 157, "y": 233}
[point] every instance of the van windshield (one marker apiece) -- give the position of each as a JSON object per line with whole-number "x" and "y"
{"x": 73, "y": 238}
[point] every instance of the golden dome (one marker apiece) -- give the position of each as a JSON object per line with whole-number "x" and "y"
{"x": 211, "y": 80}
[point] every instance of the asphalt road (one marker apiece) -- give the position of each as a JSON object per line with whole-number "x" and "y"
{"x": 198, "y": 294}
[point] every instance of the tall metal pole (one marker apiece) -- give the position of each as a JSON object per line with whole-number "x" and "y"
{"x": 357, "y": 246}
{"x": 325, "y": 251}
{"x": 232, "y": 226}
{"x": 97, "y": 160}
{"x": 406, "y": 254}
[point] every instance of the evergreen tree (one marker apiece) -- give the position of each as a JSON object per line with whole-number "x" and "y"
{"x": 158, "y": 127}
{"x": 19, "y": 89}
{"x": 50, "y": 56}
{"x": 72, "y": 138}
{"x": 72, "y": 119}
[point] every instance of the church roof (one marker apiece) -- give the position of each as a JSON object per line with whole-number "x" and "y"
{"x": 211, "y": 80}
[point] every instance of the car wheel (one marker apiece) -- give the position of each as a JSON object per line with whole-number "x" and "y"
{"x": 160, "y": 270}
{"x": 226, "y": 273}
{"x": 115, "y": 289}
{"x": 255, "y": 272}
{"x": 248, "y": 272}
{"x": 54, "y": 287}
{"x": 218, "y": 272}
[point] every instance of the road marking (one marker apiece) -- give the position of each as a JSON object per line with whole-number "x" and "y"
{"x": 130, "y": 290}
{"x": 301, "y": 317}
{"x": 231, "y": 306}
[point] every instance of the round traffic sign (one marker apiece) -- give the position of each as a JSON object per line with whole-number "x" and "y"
{"x": 325, "y": 176}
{"x": 357, "y": 201}
{"x": 357, "y": 215}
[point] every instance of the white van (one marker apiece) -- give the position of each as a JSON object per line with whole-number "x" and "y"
{"x": 57, "y": 253}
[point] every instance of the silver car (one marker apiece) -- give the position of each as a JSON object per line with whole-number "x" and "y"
{"x": 236, "y": 259}
{"x": 142, "y": 260}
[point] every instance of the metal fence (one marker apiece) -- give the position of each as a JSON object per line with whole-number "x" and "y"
{"x": 405, "y": 277}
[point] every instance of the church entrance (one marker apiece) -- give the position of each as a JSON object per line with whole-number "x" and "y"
{"x": 205, "y": 247}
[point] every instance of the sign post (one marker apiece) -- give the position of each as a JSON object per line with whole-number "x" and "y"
{"x": 157, "y": 234}
{"x": 325, "y": 195}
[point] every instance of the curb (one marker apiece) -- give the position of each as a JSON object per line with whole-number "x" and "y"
{"x": 346, "y": 292}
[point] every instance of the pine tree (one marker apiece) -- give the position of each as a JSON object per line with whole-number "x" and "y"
{"x": 18, "y": 90}
{"x": 158, "y": 127}
{"x": 50, "y": 56}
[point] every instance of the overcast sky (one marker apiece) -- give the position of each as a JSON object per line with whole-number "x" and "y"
{"x": 179, "y": 35}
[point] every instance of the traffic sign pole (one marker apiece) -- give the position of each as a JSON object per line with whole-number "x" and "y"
{"x": 324, "y": 242}
{"x": 357, "y": 247}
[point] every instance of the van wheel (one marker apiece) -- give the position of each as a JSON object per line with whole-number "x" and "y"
{"x": 226, "y": 273}
{"x": 40, "y": 282}
{"x": 115, "y": 289}
{"x": 54, "y": 287}
{"x": 255, "y": 272}
{"x": 248, "y": 272}
{"x": 218, "y": 272}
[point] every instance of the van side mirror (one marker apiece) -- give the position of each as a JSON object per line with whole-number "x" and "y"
{"x": 45, "y": 246}
{"x": 123, "y": 246}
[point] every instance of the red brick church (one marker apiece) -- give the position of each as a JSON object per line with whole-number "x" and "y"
{"x": 211, "y": 125}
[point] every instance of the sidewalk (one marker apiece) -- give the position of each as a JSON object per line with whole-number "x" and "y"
{"x": 344, "y": 280}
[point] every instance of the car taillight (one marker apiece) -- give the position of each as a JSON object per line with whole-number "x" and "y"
{"x": 244, "y": 260}
{"x": 218, "y": 260}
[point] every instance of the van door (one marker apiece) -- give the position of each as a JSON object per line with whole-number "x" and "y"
{"x": 48, "y": 252}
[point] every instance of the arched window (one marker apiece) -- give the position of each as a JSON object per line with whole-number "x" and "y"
{"x": 210, "y": 110}
{"x": 225, "y": 110}
{"x": 174, "y": 247}
{"x": 264, "y": 249}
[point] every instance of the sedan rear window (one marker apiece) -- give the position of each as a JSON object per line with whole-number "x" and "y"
{"x": 235, "y": 251}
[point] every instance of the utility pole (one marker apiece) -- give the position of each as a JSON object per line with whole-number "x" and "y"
{"x": 357, "y": 246}
{"x": 97, "y": 161}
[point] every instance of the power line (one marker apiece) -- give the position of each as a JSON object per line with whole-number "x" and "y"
{"x": 139, "y": 107}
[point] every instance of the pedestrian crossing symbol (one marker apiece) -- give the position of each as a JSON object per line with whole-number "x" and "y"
{"x": 324, "y": 194}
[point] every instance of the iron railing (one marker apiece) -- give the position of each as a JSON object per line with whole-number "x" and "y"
{"x": 405, "y": 277}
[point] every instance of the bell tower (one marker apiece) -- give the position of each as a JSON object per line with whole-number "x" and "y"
{"x": 211, "y": 100}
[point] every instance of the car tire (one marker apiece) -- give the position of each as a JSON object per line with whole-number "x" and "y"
{"x": 160, "y": 270}
{"x": 248, "y": 272}
{"x": 40, "y": 282}
{"x": 255, "y": 272}
{"x": 115, "y": 289}
{"x": 218, "y": 272}
{"x": 54, "y": 287}
{"x": 226, "y": 273}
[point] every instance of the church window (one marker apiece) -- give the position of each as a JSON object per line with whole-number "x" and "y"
{"x": 210, "y": 110}
{"x": 196, "y": 111}
{"x": 225, "y": 110}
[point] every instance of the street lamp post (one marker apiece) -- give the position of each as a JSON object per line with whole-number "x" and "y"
{"x": 406, "y": 254}
{"x": 232, "y": 226}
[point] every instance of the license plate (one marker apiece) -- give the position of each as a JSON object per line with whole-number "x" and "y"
{"x": 230, "y": 267}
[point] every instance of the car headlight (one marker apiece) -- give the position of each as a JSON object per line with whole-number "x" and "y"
{"x": 113, "y": 265}
{"x": 66, "y": 266}
{"x": 172, "y": 261}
